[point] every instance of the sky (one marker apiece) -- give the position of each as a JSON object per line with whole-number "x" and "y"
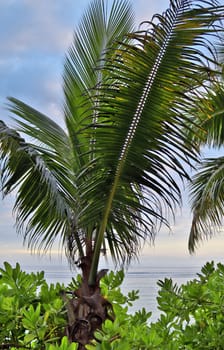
{"x": 34, "y": 37}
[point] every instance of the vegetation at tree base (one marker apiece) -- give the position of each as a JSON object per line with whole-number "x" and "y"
{"x": 108, "y": 181}
{"x": 33, "y": 315}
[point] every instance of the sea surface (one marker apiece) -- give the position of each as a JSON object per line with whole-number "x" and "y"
{"x": 140, "y": 278}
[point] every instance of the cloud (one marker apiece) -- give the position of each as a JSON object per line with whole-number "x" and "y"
{"x": 34, "y": 37}
{"x": 48, "y": 26}
{"x": 33, "y": 25}
{"x": 145, "y": 9}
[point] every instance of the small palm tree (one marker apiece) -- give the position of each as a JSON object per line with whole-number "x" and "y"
{"x": 107, "y": 181}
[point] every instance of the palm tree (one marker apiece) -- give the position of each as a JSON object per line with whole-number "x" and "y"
{"x": 109, "y": 180}
{"x": 207, "y": 186}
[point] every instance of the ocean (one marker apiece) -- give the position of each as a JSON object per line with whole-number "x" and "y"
{"x": 142, "y": 278}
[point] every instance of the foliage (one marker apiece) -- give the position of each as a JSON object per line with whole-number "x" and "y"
{"x": 191, "y": 318}
{"x": 32, "y": 314}
{"x": 207, "y": 186}
{"x": 109, "y": 179}
{"x": 65, "y": 345}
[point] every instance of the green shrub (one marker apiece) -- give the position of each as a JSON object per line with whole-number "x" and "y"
{"x": 33, "y": 314}
{"x": 192, "y": 317}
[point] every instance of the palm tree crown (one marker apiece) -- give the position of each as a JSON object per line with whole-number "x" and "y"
{"x": 109, "y": 179}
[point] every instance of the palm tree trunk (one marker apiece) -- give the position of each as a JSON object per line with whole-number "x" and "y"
{"x": 87, "y": 309}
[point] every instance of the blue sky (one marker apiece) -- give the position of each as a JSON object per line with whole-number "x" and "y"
{"x": 34, "y": 37}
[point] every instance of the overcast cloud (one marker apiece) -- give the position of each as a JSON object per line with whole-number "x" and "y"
{"x": 34, "y": 37}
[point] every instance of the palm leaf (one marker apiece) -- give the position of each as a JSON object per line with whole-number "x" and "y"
{"x": 111, "y": 180}
{"x": 97, "y": 31}
{"x": 207, "y": 185}
{"x": 141, "y": 118}
{"x": 209, "y": 117}
{"x": 41, "y": 205}
{"x": 45, "y": 171}
{"x": 207, "y": 193}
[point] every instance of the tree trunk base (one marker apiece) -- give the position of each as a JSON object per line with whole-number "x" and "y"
{"x": 87, "y": 310}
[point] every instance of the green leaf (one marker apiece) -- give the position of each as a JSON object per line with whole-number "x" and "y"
{"x": 110, "y": 180}
{"x": 65, "y": 345}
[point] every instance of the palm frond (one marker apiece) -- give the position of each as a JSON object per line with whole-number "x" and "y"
{"x": 207, "y": 191}
{"x": 214, "y": 123}
{"x": 209, "y": 115}
{"x": 47, "y": 171}
{"x": 98, "y": 30}
{"x": 38, "y": 126}
{"x": 44, "y": 186}
{"x": 112, "y": 179}
{"x": 141, "y": 117}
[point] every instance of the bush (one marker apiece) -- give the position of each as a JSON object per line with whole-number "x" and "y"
{"x": 33, "y": 314}
{"x": 192, "y": 317}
